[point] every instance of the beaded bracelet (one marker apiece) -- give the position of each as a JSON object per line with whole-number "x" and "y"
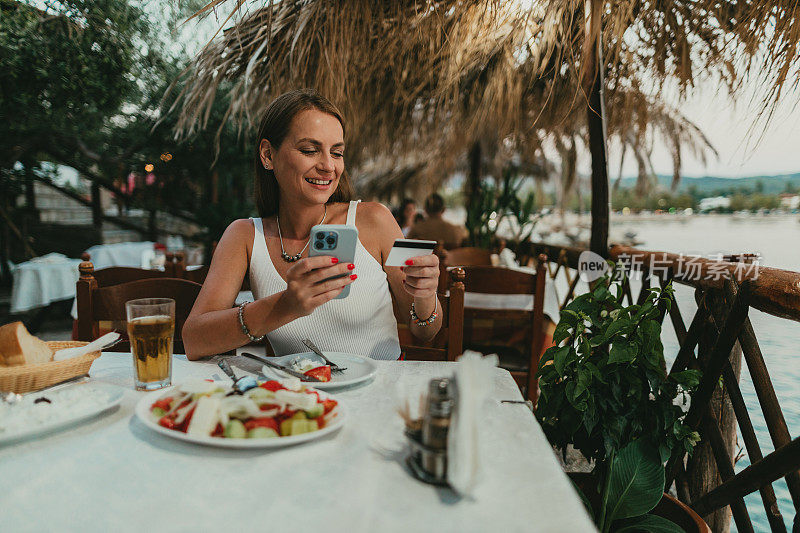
{"x": 428, "y": 321}
{"x": 244, "y": 327}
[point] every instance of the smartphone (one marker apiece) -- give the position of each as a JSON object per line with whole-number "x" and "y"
{"x": 404, "y": 249}
{"x": 337, "y": 240}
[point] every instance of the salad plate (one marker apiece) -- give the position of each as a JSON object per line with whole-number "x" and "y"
{"x": 359, "y": 368}
{"x": 63, "y": 409}
{"x": 146, "y": 412}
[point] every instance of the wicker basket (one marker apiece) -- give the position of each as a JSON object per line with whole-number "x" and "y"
{"x": 29, "y": 378}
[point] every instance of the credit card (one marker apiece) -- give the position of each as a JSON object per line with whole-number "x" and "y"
{"x": 404, "y": 249}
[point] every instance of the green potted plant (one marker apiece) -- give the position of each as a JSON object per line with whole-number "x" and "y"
{"x": 605, "y": 390}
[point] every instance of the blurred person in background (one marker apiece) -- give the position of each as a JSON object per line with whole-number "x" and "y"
{"x": 406, "y": 215}
{"x": 435, "y": 228}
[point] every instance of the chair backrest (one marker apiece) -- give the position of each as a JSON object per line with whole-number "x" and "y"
{"x": 468, "y": 256}
{"x": 448, "y": 342}
{"x": 504, "y": 281}
{"x": 122, "y": 274}
{"x": 97, "y": 303}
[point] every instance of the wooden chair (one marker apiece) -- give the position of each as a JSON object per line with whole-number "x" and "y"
{"x": 447, "y": 344}
{"x": 121, "y": 274}
{"x": 515, "y": 335}
{"x": 467, "y": 256}
{"x": 98, "y": 303}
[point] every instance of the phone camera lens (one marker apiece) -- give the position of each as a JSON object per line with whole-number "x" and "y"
{"x": 330, "y": 240}
{"x": 320, "y": 236}
{"x": 318, "y": 245}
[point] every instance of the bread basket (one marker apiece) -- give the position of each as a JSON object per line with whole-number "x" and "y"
{"x": 29, "y": 378}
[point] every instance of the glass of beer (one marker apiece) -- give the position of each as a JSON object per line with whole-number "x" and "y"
{"x": 151, "y": 325}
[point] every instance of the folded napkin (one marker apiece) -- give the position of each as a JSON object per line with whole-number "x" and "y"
{"x": 474, "y": 377}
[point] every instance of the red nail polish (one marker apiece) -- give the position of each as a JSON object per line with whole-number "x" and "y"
{"x": 351, "y": 266}
{"x": 409, "y": 262}
{"x": 353, "y": 276}
{"x": 334, "y": 260}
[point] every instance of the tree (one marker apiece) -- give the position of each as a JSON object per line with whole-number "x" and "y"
{"x": 85, "y": 81}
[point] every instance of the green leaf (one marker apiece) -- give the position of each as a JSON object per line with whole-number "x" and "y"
{"x": 688, "y": 379}
{"x": 621, "y": 352}
{"x": 560, "y": 358}
{"x": 650, "y": 523}
{"x": 619, "y": 325}
{"x": 637, "y": 482}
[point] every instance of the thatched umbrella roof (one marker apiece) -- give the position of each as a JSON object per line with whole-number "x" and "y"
{"x": 420, "y": 81}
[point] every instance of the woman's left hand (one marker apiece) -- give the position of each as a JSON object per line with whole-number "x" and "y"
{"x": 421, "y": 276}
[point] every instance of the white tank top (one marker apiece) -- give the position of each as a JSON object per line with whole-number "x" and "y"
{"x": 362, "y": 323}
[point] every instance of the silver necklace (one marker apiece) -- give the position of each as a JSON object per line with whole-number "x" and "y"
{"x": 292, "y": 258}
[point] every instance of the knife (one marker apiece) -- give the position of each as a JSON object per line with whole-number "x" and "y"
{"x": 266, "y": 361}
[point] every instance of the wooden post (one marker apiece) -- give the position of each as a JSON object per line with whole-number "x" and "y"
{"x": 97, "y": 208}
{"x": 87, "y": 327}
{"x": 702, "y": 472}
{"x": 593, "y": 86}
{"x": 472, "y": 186}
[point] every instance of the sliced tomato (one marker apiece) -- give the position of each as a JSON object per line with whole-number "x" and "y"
{"x": 268, "y": 406}
{"x": 183, "y": 426}
{"x": 162, "y": 403}
{"x": 329, "y": 405}
{"x": 218, "y": 431}
{"x": 263, "y": 422}
{"x": 272, "y": 385}
{"x": 167, "y": 422}
{"x": 322, "y": 373}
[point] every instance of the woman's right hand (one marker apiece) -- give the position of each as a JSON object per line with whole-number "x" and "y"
{"x": 306, "y": 285}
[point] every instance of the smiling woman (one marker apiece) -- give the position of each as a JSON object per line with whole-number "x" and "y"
{"x": 301, "y": 182}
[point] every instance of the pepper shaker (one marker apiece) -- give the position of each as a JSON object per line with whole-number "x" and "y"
{"x": 436, "y": 425}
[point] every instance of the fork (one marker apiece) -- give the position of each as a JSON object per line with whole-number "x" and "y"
{"x": 313, "y": 347}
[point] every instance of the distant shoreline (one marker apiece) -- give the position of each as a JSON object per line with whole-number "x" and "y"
{"x": 617, "y": 217}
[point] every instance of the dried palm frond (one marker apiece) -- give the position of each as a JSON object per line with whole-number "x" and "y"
{"x": 421, "y": 81}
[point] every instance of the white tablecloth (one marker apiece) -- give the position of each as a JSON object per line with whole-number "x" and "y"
{"x": 120, "y": 254}
{"x": 43, "y": 280}
{"x": 114, "y": 474}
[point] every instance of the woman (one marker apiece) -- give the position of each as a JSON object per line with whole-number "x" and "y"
{"x": 300, "y": 182}
{"x": 406, "y": 215}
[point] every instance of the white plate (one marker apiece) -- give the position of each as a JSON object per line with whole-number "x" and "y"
{"x": 108, "y": 398}
{"x": 143, "y": 412}
{"x": 359, "y": 368}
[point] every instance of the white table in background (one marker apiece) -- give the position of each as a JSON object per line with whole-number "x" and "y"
{"x": 114, "y": 474}
{"x": 43, "y": 280}
{"x": 119, "y": 254}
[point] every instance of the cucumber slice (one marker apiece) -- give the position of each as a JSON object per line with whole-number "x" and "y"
{"x": 235, "y": 430}
{"x": 261, "y": 433}
{"x": 317, "y": 411}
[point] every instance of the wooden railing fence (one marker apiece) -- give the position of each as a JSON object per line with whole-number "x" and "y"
{"x": 719, "y": 334}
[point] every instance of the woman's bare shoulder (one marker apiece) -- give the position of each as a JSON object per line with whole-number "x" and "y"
{"x": 239, "y": 231}
{"x": 375, "y": 213}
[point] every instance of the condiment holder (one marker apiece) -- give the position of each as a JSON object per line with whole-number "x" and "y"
{"x": 427, "y": 437}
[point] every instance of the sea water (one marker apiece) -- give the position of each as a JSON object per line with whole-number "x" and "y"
{"x": 777, "y": 239}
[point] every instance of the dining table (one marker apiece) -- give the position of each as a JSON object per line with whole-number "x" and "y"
{"x": 113, "y": 473}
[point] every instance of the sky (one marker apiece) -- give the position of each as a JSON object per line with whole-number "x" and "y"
{"x": 746, "y": 145}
